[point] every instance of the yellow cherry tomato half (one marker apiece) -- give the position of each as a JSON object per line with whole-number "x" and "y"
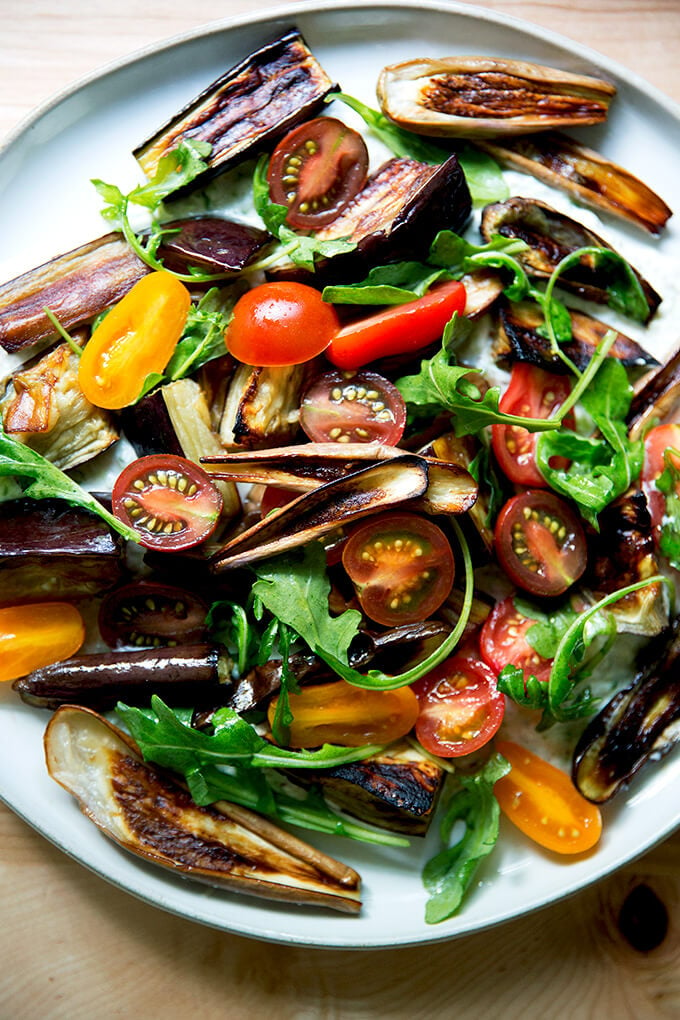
{"x": 36, "y": 635}
{"x": 136, "y": 338}
{"x": 339, "y": 713}
{"x": 543, "y": 803}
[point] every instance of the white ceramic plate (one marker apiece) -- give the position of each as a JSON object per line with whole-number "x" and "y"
{"x": 47, "y": 206}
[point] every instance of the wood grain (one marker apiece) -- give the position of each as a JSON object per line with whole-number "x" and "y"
{"x": 73, "y": 947}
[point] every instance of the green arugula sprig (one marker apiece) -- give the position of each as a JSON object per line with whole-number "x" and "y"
{"x": 668, "y": 483}
{"x": 232, "y": 626}
{"x": 449, "y": 874}
{"x": 47, "y": 482}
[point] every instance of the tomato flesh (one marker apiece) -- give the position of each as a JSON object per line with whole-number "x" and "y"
{"x": 531, "y": 393}
{"x": 403, "y": 329}
{"x": 543, "y": 803}
{"x": 503, "y": 642}
{"x": 145, "y": 614}
{"x": 170, "y": 502}
{"x": 36, "y": 635}
{"x": 280, "y": 323}
{"x": 657, "y": 441}
{"x": 135, "y": 339}
{"x": 316, "y": 170}
{"x": 349, "y": 407}
{"x": 540, "y": 543}
{"x": 338, "y": 713}
{"x": 401, "y": 566}
{"x": 460, "y": 707}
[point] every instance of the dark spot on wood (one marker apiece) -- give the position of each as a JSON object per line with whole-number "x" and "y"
{"x": 643, "y": 919}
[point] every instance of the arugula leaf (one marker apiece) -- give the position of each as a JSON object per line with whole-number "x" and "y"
{"x": 283, "y": 716}
{"x": 387, "y": 285}
{"x": 230, "y": 625}
{"x": 668, "y": 483}
{"x": 449, "y": 875}
{"x": 527, "y": 691}
{"x": 47, "y": 482}
{"x": 550, "y": 627}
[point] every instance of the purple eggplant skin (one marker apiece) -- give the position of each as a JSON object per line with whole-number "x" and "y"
{"x": 50, "y": 551}
{"x": 148, "y": 428}
{"x": 187, "y": 675}
{"x": 212, "y": 244}
{"x": 639, "y": 722}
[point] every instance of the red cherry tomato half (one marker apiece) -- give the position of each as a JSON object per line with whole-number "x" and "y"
{"x": 338, "y": 713}
{"x": 169, "y": 501}
{"x": 460, "y": 707}
{"x": 503, "y": 642}
{"x": 402, "y": 329}
{"x": 316, "y": 170}
{"x": 543, "y": 803}
{"x": 145, "y": 614}
{"x": 274, "y": 497}
{"x": 657, "y": 441}
{"x": 280, "y": 323}
{"x": 531, "y": 393}
{"x": 401, "y": 566}
{"x": 349, "y": 407}
{"x": 540, "y": 543}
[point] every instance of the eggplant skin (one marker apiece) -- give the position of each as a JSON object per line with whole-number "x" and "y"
{"x": 247, "y": 110}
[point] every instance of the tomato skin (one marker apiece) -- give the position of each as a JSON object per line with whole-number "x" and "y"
{"x": 280, "y": 323}
{"x": 461, "y": 708}
{"x": 36, "y": 635}
{"x": 171, "y": 502}
{"x": 657, "y": 441}
{"x": 543, "y": 803}
{"x": 402, "y": 329}
{"x": 401, "y": 566}
{"x": 136, "y": 338}
{"x": 338, "y": 713}
{"x": 361, "y": 407}
{"x": 503, "y": 642}
{"x": 316, "y": 170}
{"x": 531, "y": 393}
{"x": 538, "y": 556}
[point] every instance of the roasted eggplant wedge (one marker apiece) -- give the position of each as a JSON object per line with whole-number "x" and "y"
{"x": 75, "y": 287}
{"x": 588, "y": 177}
{"x": 148, "y": 814}
{"x": 481, "y": 97}
{"x": 247, "y": 109}
{"x": 211, "y": 244}
{"x": 519, "y": 338}
{"x": 551, "y": 236}
{"x": 262, "y": 405}
{"x": 639, "y": 722}
{"x": 656, "y": 398}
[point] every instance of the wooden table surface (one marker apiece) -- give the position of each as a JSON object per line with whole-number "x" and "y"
{"x": 74, "y": 947}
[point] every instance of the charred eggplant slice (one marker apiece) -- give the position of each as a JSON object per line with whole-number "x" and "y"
{"x": 247, "y": 109}
{"x": 212, "y": 244}
{"x": 75, "y": 287}
{"x": 656, "y": 398}
{"x": 49, "y": 550}
{"x": 638, "y": 723}
{"x": 519, "y": 338}
{"x": 551, "y": 236}
{"x": 151, "y": 816}
{"x": 583, "y": 173}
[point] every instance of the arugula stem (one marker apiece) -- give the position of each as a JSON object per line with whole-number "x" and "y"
{"x": 66, "y": 336}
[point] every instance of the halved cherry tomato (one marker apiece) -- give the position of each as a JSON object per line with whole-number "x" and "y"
{"x": 403, "y": 329}
{"x": 531, "y": 393}
{"x": 145, "y": 614}
{"x": 543, "y": 803}
{"x": 338, "y": 713}
{"x": 540, "y": 543}
{"x": 461, "y": 707}
{"x": 36, "y": 635}
{"x": 169, "y": 501}
{"x": 136, "y": 338}
{"x": 274, "y": 497}
{"x": 316, "y": 170}
{"x": 657, "y": 441}
{"x": 503, "y": 642}
{"x": 280, "y": 323}
{"x": 353, "y": 407}
{"x": 401, "y": 566}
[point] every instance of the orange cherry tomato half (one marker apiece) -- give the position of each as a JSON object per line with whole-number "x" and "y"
{"x": 461, "y": 708}
{"x": 338, "y": 713}
{"x": 280, "y": 323}
{"x": 135, "y": 339}
{"x": 401, "y": 565}
{"x": 316, "y": 170}
{"x": 403, "y": 329}
{"x": 543, "y": 803}
{"x": 36, "y": 635}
